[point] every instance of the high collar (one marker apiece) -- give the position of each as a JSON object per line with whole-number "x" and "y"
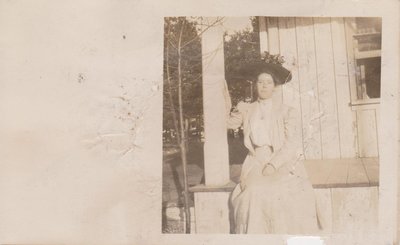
{"x": 265, "y": 101}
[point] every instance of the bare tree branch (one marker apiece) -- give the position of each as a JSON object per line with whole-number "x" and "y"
{"x": 171, "y": 101}
{"x": 217, "y": 21}
{"x": 171, "y": 43}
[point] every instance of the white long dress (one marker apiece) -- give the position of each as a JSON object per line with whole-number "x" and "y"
{"x": 281, "y": 203}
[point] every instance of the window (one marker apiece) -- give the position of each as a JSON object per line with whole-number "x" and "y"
{"x": 365, "y": 38}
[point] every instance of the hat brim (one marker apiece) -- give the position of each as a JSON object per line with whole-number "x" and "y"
{"x": 280, "y": 74}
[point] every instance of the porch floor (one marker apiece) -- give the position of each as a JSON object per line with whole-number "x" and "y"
{"x": 334, "y": 173}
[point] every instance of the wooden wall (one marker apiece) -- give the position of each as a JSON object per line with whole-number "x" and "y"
{"x": 321, "y": 59}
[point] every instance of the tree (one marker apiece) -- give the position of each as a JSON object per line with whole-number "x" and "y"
{"x": 241, "y": 50}
{"x": 182, "y": 84}
{"x": 175, "y": 75}
{"x": 190, "y": 69}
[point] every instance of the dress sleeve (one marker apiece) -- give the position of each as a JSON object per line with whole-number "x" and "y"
{"x": 234, "y": 119}
{"x": 288, "y": 153}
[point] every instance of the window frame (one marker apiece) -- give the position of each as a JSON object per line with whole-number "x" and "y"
{"x": 354, "y": 55}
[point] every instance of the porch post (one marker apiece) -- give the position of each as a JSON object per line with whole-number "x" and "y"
{"x": 211, "y": 200}
{"x": 216, "y": 162}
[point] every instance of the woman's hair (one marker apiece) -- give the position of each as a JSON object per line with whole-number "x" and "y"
{"x": 279, "y": 74}
{"x": 265, "y": 72}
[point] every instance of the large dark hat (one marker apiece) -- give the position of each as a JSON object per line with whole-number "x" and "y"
{"x": 279, "y": 73}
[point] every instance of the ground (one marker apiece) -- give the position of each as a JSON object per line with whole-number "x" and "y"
{"x": 172, "y": 198}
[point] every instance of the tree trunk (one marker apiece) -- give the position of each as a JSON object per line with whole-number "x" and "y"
{"x": 183, "y": 141}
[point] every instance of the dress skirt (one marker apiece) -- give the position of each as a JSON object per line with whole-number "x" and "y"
{"x": 281, "y": 203}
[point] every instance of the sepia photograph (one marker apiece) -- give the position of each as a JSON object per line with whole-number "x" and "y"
{"x": 200, "y": 122}
{"x": 271, "y": 125}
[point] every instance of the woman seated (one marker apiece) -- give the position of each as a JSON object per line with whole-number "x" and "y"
{"x": 274, "y": 194}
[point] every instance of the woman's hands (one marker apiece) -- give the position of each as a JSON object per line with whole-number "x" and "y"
{"x": 269, "y": 169}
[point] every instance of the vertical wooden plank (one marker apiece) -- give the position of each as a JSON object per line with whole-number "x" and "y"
{"x": 326, "y": 88}
{"x": 273, "y": 44}
{"x": 212, "y": 212}
{"x": 216, "y": 162}
{"x": 350, "y": 30}
{"x": 263, "y": 34}
{"x": 367, "y": 136}
{"x": 308, "y": 88}
{"x": 378, "y": 123}
{"x": 288, "y": 48}
{"x": 273, "y": 35}
{"x": 355, "y": 210}
{"x": 346, "y": 117}
{"x": 324, "y": 208}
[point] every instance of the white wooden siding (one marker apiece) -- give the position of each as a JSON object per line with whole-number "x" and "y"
{"x": 367, "y": 133}
{"x": 273, "y": 35}
{"x": 287, "y": 40}
{"x": 263, "y": 34}
{"x": 320, "y": 55}
{"x": 326, "y": 88}
{"x": 309, "y": 95}
{"x": 346, "y": 118}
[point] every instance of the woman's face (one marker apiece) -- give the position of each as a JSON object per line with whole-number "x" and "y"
{"x": 265, "y": 86}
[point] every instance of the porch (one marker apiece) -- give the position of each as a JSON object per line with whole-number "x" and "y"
{"x": 340, "y": 121}
{"x": 346, "y": 191}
